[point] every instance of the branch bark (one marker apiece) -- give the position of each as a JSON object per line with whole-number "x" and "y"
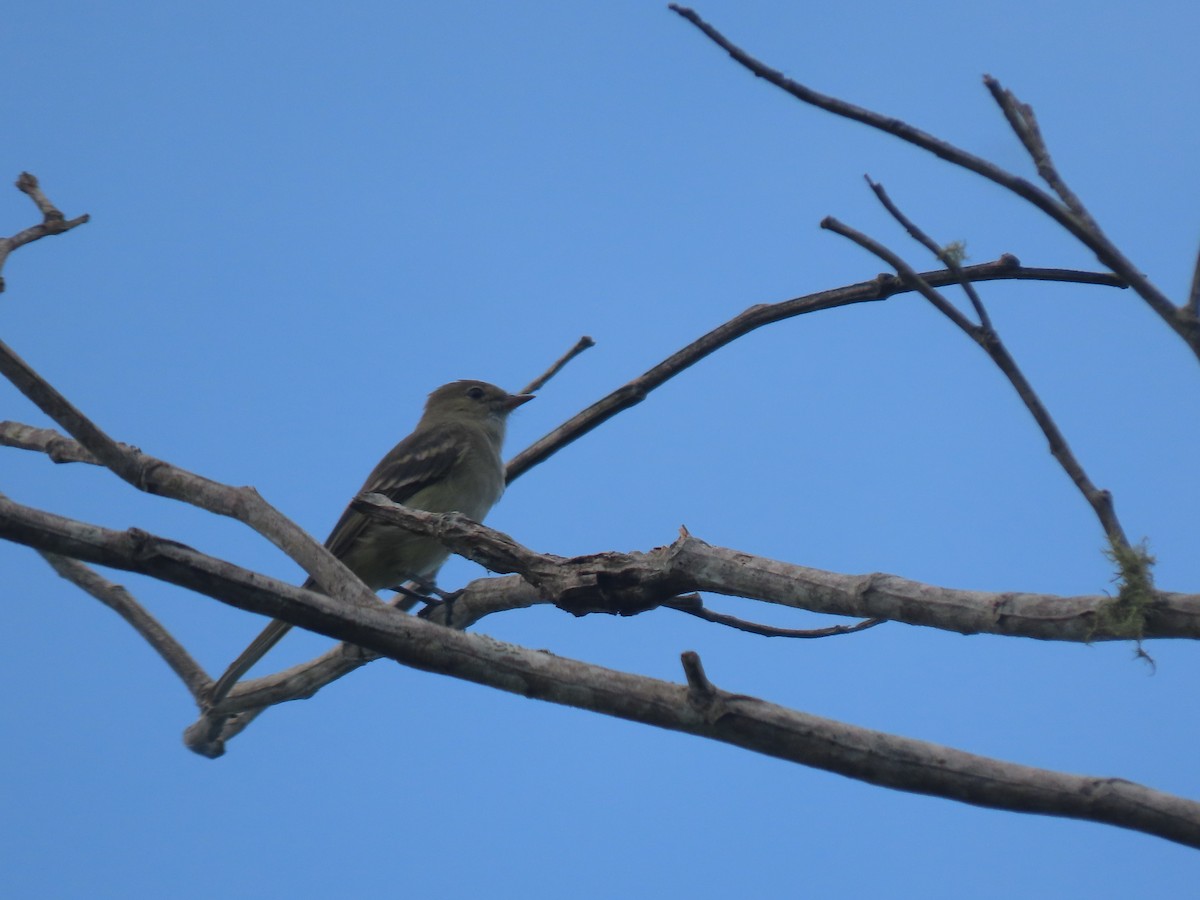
{"x": 53, "y": 221}
{"x": 120, "y": 601}
{"x": 155, "y": 476}
{"x": 614, "y": 583}
{"x": 1068, "y": 211}
{"x": 700, "y": 709}
{"x": 989, "y": 340}
{"x": 1006, "y": 268}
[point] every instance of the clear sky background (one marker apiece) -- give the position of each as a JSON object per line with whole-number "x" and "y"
{"x": 307, "y": 216}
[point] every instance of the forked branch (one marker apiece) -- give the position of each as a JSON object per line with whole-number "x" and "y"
{"x": 53, "y": 221}
{"x": 701, "y": 708}
{"x": 987, "y": 338}
{"x": 1067, "y": 210}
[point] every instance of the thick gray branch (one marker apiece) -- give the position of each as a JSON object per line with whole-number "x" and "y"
{"x": 700, "y": 709}
{"x": 627, "y": 583}
{"x": 156, "y": 476}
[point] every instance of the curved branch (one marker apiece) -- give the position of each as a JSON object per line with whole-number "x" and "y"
{"x": 881, "y": 288}
{"x": 986, "y": 337}
{"x": 144, "y": 471}
{"x": 700, "y": 709}
{"x": 156, "y": 476}
{"x": 1070, "y": 215}
{"x": 693, "y": 606}
{"x": 120, "y": 601}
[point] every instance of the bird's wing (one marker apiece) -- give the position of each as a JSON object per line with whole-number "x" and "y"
{"x": 421, "y": 459}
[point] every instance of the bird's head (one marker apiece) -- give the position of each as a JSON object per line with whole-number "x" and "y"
{"x": 473, "y": 402}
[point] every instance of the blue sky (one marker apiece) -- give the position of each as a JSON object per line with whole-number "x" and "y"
{"x": 306, "y": 218}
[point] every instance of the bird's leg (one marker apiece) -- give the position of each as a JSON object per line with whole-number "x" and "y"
{"x": 444, "y": 604}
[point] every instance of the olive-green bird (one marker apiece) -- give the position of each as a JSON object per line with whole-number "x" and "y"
{"x": 450, "y": 463}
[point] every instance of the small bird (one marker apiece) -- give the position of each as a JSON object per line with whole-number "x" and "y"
{"x": 450, "y": 463}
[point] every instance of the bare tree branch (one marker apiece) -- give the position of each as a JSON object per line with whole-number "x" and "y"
{"x": 702, "y": 693}
{"x": 939, "y": 252}
{"x": 989, "y": 339}
{"x": 582, "y": 344}
{"x": 730, "y": 572}
{"x": 1007, "y": 268}
{"x": 700, "y": 709}
{"x": 1023, "y": 122}
{"x": 118, "y": 599}
{"x": 1100, "y": 500}
{"x": 1192, "y": 308}
{"x": 1070, "y": 215}
{"x": 881, "y": 288}
{"x": 621, "y": 584}
{"x": 53, "y": 221}
{"x": 611, "y": 582}
{"x": 46, "y": 440}
{"x": 629, "y": 583}
{"x": 155, "y": 476}
{"x": 694, "y": 606}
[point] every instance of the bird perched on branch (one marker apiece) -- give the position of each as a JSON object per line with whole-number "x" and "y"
{"x": 450, "y": 463}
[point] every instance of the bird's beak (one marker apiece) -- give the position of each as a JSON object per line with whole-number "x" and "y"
{"x": 512, "y": 401}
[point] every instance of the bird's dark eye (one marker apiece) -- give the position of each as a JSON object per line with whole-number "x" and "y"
{"x": 475, "y": 393}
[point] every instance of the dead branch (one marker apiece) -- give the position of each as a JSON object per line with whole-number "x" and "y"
{"x": 693, "y": 605}
{"x": 120, "y": 601}
{"x": 613, "y": 583}
{"x": 538, "y": 383}
{"x": 700, "y": 709}
{"x": 1067, "y": 212}
{"x": 53, "y": 221}
{"x": 985, "y": 335}
{"x": 881, "y": 288}
{"x": 155, "y": 476}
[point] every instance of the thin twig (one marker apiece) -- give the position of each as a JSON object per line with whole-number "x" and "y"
{"x": 939, "y": 252}
{"x": 53, "y": 221}
{"x": 1192, "y": 308}
{"x": 120, "y": 601}
{"x": 162, "y": 477}
{"x": 1022, "y": 120}
{"x": 28, "y": 185}
{"x": 1076, "y": 221}
{"x": 107, "y": 451}
{"x": 1100, "y": 500}
{"x": 701, "y": 691}
{"x": 881, "y": 288}
{"x": 1006, "y": 268}
{"x": 888, "y": 124}
{"x": 917, "y": 282}
{"x": 582, "y": 344}
{"x": 693, "y": 606}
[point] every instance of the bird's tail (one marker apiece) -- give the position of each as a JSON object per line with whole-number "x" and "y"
{"x": 257, "y": 650}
